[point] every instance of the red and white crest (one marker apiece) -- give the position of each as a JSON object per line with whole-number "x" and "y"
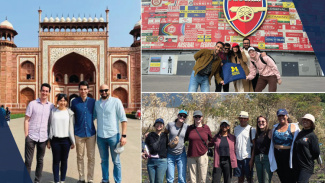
{"x": 245, "y": 17}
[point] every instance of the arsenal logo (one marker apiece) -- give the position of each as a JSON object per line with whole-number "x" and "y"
{"x": 245, "y": 16}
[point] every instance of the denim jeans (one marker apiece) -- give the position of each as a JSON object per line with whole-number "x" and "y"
{"x": 180, "y": 161}
{"x": 157, "y": 169}
{"x": 103, "y": 145}
{"x": 263, "y": 171}
{"x": 60, "y": 152}
{"x": 199, "y": 80}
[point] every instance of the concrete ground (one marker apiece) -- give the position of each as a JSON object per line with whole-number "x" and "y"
{"x": 166, "y": 83}
{"x": 130, "y": 158}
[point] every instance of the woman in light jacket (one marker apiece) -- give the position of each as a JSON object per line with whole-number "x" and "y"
{"x": 198, "y": 136}
{"x": 224, "y": 153}
{"x": 238, "y": 57}
{"x": 61, "y": 137}
{"x": 281, "y": 149}
{"x": 269, "y": 73}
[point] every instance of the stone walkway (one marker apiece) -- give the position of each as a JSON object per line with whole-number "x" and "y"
{"x": 130, "y": 158}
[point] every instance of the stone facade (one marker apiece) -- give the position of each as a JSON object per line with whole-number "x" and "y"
{"x": 68, "y": 52}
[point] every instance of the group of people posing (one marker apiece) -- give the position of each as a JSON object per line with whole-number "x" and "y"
{"x": 61, "y": 129}
{"x": 260, "y": 69}
{"x": 284, "y": 149}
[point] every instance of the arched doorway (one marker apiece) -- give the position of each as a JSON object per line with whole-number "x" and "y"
{"x": 119, "y": 71}
{"x": 122, "y": 94}
{"x": 27, "y": 71}
{"x": 26, "y": 96}
{"x": 69, "y": 70}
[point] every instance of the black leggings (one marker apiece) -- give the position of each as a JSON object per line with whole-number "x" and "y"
{"x": 225, "y": 169}
{"x": 285, "y": 173}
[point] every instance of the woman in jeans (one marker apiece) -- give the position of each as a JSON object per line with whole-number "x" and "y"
{"x": 177, "y": 155}
{"x": 269, "y": 73}
{"x": 305, "y": 150}
{"x": 281, "y": 148}
{"x": 224, "y": 153}
{"x": 61, "y": 135}
{"x": 197, "y": 158}
{"x": 261, "y": 150}
{"x": 157, "y": 146}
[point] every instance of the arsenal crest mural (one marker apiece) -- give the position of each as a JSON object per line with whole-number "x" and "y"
{"x": 245, "y": 16}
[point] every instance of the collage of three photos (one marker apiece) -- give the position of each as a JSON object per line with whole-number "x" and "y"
{"x": 157, "y": 91}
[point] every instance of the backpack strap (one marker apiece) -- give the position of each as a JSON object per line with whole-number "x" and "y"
{"x": 250, "y": 135}
{"x": 254, "y": 64}
{"x": 262, "y": 60}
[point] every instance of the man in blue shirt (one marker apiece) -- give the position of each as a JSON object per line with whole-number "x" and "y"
{"x": 109, "y": 112}
{"x": 84, "y": 130}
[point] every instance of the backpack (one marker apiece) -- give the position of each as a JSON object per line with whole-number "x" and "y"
{"x": 262, "y": 60}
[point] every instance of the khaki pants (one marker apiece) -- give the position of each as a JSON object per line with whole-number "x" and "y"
{"x": 198, "y": 167}
{"x": 89, "y": 143}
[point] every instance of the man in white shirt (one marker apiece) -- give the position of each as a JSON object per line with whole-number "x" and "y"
{"x": 245, "y": 138}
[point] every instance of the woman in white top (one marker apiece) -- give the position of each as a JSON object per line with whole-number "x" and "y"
{"x": 61, "y": 137}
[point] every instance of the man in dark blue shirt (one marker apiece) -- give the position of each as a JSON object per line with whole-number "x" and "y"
{"x": 84, "y": 130}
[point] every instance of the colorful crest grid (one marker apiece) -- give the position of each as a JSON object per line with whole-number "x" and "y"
{"x": 198, "y": 24}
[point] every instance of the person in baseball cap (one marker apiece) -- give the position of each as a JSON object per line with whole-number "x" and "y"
{"x": 282, "y": 140}
{"x": 156, "y": 145}
{"x": 197, "y": 153}
{"x": 306, "y": 149}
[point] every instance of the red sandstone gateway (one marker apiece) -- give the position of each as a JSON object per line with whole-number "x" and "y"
{"x": 245, "y": 16}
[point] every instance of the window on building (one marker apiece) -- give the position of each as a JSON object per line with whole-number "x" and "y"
{"x": 28, "y": 76}
{"x": 73, "y": 79}
{"x": 118, "y": 76}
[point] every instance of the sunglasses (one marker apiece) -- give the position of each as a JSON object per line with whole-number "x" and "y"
{"x": 197, "y": 116}
{"x": 227, "y": 48}
{"x": 183, "y": 115}
{"x": 101, "y": 91}
{"x": 261, "y": 121}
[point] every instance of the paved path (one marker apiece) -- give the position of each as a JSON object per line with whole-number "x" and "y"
{"x": 165, "y": 83}
{"x": 130, "y": 158}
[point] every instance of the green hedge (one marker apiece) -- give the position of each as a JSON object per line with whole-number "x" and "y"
{"x": 14, "y": 116}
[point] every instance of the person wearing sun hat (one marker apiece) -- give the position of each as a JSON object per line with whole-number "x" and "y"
{"x": 239, "y": 57}
{"x": 245, "y": 139}
{"x": 305, "y": 149}
{"x": 157, "y": 157}
{"x": 177, "y": 155}
{"x": 280, "y": 155}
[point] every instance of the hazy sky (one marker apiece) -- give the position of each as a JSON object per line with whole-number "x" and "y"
{"x": 23, "y": 15}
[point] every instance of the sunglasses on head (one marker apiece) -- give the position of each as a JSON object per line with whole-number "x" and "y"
{"x": 183, "y": 115}
{"x": 263, "y": 121}
{"x": 224, "y": 124}
{"x": 101, "y": 91}
{"x": 197, "y": 116}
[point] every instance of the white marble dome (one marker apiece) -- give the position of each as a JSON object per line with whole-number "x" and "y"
{"x": 95, "y": 19}
{"x": 46, "y": 19}
{"x": 90, "y": 19}
{"x": 73, "y": 19}
{"x": 57, "y": 19}
{"x": 62, "y": 19}
{"x": 7, "y": 24}
{"x": 84, "y": 19}
{"x": 68, "y": 19}
{"x": 101, "y": 19}
{"x": 79, "y": 19}
{"x": 51, "y": 19}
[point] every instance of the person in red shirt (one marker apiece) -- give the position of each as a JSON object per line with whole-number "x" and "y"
{"x": 197, "y": 158}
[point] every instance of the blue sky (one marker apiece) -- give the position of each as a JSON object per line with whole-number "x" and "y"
{"x": 23, "y": 15}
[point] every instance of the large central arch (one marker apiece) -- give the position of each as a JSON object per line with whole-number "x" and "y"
{"x": 69, "y": 70}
